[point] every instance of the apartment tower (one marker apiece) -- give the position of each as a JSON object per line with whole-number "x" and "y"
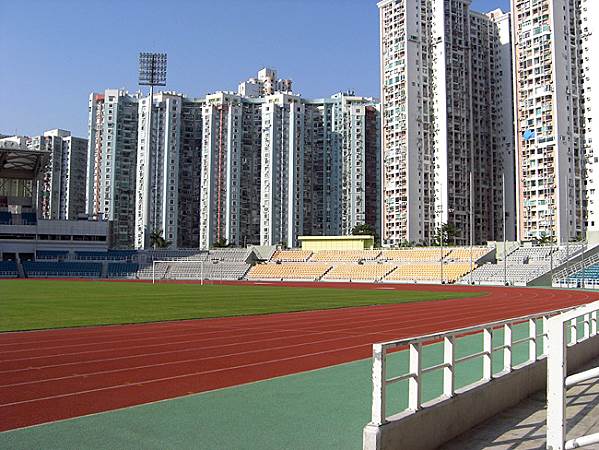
{"x": 440, "y": 65}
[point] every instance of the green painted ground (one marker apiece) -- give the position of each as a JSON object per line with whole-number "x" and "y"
{"x": 323, "y": 409}
{"x": 38, "y": 304}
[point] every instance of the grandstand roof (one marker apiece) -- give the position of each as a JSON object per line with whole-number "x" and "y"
{"x": 19, "y": 162}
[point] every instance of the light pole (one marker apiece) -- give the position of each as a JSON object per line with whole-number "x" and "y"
{"x": 471, "y": 224}
{"x": 504, "y": 233}
{"x": 551, "y": 243}
{"x": 152, "y": 72}
{"x": 439, "y": 211}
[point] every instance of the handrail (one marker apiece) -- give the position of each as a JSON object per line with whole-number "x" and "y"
{"x": 448, "y": 338}
{"x": 557, "y": 372}
{"x": 576, "y": 267}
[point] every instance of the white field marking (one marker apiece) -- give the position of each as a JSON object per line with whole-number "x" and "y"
{"x": 157, "y": 380}
{"x": 145, "y": 355}
{"x": 208, "y": 358}
{"x": 367, "y": 320}
{"x": 386, "y": 289}
{"x": 180, "y": 327}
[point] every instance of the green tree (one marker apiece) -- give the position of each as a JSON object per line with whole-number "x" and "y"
{"x": 448, "y": 232}
{"x": 158, "y": 241}
{"x": 363, "y": 229}
{"x": 545, "y": 239}
{"x": 221, "y": 243}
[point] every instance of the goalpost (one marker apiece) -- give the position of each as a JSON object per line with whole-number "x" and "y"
{"x": 184, "y": 261}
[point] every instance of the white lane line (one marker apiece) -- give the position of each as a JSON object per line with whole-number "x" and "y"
{"x": 175, "y": 377}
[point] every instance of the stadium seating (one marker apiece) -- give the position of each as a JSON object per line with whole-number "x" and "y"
{"x": 429, "y": 272}
{"x": 122, "y": 270}
{"x": 362, "y": 272}
{"x": 345, "y": 255}
{"x": 524, "y": 265}
{"x": 589, "y": 273}
{"x": 209, "y": 271}
{"x": 51, "y": 254}
{"x": 28, "y": 218}
{"x": 110, "y": 255}
{"x": 182, "y": 253}
{"x": 291, "y": 255}
{"x": 463, "y": 253}
{"x": 415, "y": 254}
{"x": 288, "y": 271}
{"x": 8, "y": 269}
{"x": 229, "y": 254}
{"x": 145, "y": 272}
{"x": 517, "y": 273}
{"x": 5, "y": 218}
{"x": 47, "y": 269}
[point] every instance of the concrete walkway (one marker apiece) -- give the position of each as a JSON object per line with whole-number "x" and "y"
{"x": 523, "y": 427}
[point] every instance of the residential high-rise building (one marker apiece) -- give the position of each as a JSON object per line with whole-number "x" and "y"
{"x": 112, "y": 161}
{"x": 440, "y": 65}
{"x": 61, "y": 194}
{"x": 589, "y": 41}
{"x": 266, "y": 83}
{"x": 168, "y": 170}
{"x": 503, "y": 120}
{"x": 549, "y": 119}
{"x": 262, "y": 166}
{"x": 220, "y": 203}
{"x": 273, "y": 162}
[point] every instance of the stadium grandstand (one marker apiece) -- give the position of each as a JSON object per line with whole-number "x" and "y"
{"x": 527, "y": 265}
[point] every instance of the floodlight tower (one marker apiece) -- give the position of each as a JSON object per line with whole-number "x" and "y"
{"x": 152, "y": 72}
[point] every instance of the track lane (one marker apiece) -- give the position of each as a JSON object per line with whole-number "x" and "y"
{"x": 215, "y": 353}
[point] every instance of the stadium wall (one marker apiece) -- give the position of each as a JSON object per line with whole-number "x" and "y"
{"x": 318, "y": 243}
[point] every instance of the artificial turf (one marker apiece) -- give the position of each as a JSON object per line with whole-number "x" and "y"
{"x": 39, "y": 304}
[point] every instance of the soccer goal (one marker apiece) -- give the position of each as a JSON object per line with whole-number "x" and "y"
{"x": 188, "y": 265}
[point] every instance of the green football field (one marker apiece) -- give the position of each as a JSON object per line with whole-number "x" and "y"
{"x": 39, "y": 304}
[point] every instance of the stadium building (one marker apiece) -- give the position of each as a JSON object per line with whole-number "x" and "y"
{"x": 60, "y": 190}
{"x": 442, "y": 68}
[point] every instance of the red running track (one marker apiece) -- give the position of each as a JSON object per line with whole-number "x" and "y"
{"x": 58, "y": 374}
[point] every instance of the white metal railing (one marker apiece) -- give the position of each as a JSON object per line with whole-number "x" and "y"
{"x": 557, "y": 372}
{"x": 562, "y": 275}
{"x": 380, "y": 381}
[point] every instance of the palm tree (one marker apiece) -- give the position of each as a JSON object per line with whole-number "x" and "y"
{"x": 448, "y": 232}
{"x": 363, "y": 229}
{"x": 158, "y": 241}
{"x": 221, "y": 243}
{"x": 545, "y": 239}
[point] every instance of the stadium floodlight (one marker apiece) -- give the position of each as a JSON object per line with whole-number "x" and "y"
{"x": 152, "y": 69}
{"x": 152, "y": 72}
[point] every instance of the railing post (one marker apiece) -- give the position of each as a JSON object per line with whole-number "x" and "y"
{"x": 378, "y": 384}
{"x": 507, "y": 351}
{"x": 415, "y": 383}
{"x": 449, "y": 371}
{"x": 586, "y": 327}
{"x": 593, "y": 323}
{"x": 545, "y": 338}
{"x": 532, "y": 343}
{"x": 488, "y": 349}
{"x": 573, "y": 332}
{"x": 556, "y": 392}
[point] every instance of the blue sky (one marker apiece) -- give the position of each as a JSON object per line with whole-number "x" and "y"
{"x": 55, "y": 52}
